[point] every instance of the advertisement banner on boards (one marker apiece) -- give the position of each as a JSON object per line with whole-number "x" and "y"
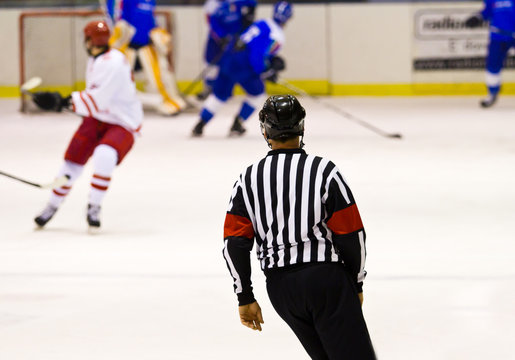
{"x": 443, "y": 42}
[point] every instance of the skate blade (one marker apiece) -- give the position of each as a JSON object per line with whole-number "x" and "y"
{"x": 94, "y": 230}
{"x": 234, "y": 134}
{"x": 190, "y": 110}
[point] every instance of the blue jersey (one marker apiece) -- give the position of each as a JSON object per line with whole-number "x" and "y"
{"x": 262, "y": 40}
{"x": 138, "y": 13}
{"x": 247, "y": 59}
{"x": 501, "y": 15}
{"x": 228, "y": 17}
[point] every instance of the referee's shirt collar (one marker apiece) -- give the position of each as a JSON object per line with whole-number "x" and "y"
{"x": 286, "y": 151}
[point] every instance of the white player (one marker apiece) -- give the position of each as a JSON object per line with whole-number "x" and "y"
{"x": 147, "y": 46}
{"x": 112, "y": 115}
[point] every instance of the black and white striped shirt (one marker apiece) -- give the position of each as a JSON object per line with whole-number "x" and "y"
{"x": 299, "y": 209}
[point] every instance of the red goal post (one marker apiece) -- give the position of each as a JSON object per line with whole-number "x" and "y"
{"x": 50, "y": 46}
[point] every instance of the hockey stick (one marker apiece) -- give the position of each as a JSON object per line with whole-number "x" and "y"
{"x": 60, "y": 181}
{"x": 199, "y": 77}
{"x": 108, "y": 18}
{"x": 204, "y": 71}
{"x": 341, "y": 112}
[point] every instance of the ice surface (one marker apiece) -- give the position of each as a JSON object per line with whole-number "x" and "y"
{"x": 438, "y": 207}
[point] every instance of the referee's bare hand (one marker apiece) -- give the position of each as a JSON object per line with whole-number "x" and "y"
{"x": 250, "y": 316}
{"x": 360, "y": 295}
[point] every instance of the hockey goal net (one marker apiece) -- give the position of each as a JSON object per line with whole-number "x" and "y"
{"x": 52, "y": 48}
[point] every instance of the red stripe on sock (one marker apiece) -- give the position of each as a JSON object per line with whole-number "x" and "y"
{"x": 101, "y": 177}
{"x": 59, "y": 194}
{"x": 98, "y": 187}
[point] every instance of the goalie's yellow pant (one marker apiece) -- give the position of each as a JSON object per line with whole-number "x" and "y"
{"x": 159, "y": 77}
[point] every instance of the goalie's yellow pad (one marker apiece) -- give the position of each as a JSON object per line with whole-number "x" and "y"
{"x": 160, "y": 78}
{"x": 122, "y": 35}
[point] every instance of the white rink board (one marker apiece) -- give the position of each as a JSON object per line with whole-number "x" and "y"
{"x": 438, "y": 207}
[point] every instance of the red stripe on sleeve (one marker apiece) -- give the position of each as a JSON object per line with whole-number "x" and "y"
{"x": 236, "y": 225}
{"x": 345, "y": 221}
{"x": 93, "y": 102}
{"x": 85, "y": 103}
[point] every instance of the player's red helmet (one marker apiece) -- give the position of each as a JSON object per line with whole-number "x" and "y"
{"x": 98, "y": 32}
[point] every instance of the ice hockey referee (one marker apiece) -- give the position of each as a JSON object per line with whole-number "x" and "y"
{"x": 309, "y": 236}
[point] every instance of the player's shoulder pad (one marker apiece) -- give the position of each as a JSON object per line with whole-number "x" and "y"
{"x": 251, "y": 3}
{"x": 276, "y": 32}
{"x": 113, "y": 58}
{"x": 260, "y": 22}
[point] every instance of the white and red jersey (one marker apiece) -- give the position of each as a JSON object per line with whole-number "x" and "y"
{"x": 110, "y": 94}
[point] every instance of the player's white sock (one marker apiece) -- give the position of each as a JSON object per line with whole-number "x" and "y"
{"x": 251, "y": 103}
{"x": 58, "y": 195}
{"x": 105, "y": 159}
{"x": 212, "y": 105}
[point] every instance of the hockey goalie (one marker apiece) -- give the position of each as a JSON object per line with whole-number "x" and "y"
{"x": 147, "y": 46}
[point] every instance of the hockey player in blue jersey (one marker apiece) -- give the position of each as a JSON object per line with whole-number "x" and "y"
{"x": 226, "y": 19}
{"x": 501, "y": 16}
{"x": 250, "y": 61}
{"x": 136, "y": 33}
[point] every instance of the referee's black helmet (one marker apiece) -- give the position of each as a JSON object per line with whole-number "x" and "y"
{"x": 282, "y": 117}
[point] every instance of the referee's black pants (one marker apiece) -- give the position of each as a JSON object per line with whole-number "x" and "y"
{"x": 320, "y": 304}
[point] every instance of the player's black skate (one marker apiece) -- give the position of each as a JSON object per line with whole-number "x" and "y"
{"x": 198, "y": 129}
{"x": 93, "y": 216}
{"x": 237, "y": 128}
{"x": 489, "y": 101}
{"x": 45, "y": 216}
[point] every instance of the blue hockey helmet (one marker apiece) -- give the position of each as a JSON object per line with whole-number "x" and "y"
{"x": 283, "y": 11}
